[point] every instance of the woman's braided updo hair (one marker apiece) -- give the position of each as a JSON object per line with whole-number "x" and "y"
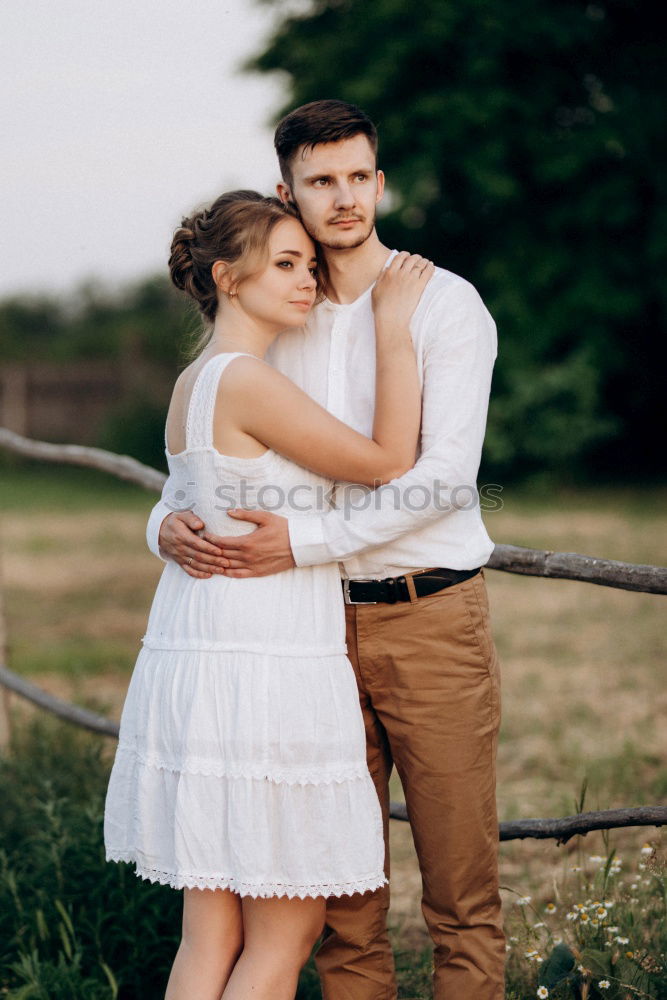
{"x": 236, "y": 229}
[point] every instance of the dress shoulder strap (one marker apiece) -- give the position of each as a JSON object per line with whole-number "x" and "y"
{"x": 199, "y": 421}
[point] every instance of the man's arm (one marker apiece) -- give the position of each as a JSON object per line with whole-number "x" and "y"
{"x": 459, "y": 353}
{"x": 155, "y": 519}
{"x": 173, "y": 534}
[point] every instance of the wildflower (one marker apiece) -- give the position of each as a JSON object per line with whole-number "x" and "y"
{"x": 514, "y": 939}
{"x": 613, "y": 930}
{"x": 634, "y": 886}
{"x": 575, "y": 868}
{"x": 608, "y": 903}
{"x": 542, "y": 992}
{"x": 531, "y": 955}
{"x": 629, "y": 954}
{"x": 604, "y": 984}
{"x": 641, "y": 866}
{"x": 601, "y": 912}
{"x": 646, "y": 850}
{"x": 523, "y": 900}
{"x": 550, "y": 907}
{"x": 597, "y": 859}
{"x": 540, "y": 923}
{"x": 583, "y": 917}
{"x": 595, "y": 923}
{"x": 622, "y": 940}
{"x": 572, "y": 915}
{"x": 508, "y": 947}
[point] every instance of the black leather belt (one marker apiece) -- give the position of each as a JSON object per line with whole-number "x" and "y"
{"x": 396, "y": 588}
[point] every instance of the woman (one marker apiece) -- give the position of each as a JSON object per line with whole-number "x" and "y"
{"x": 240, "y": 774}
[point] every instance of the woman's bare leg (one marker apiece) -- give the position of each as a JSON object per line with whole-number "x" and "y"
{"x": 278, "y": 935}
{"x": 210, "y": 945}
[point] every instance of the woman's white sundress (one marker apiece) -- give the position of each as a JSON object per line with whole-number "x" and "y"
{"x": 241, "y": 762}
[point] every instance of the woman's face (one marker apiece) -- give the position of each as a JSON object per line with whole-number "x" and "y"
{"x": 283, "y": 292}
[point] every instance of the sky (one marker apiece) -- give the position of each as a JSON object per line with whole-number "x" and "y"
{"x": 117, "y": 119}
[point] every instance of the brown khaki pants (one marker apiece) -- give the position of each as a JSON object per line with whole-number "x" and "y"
{"x": 429, "y": 687}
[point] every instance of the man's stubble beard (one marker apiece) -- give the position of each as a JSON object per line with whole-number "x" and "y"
{"x": 325, "y": 239}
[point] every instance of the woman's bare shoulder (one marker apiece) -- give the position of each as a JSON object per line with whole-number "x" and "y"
{"x": 247, "y": 373}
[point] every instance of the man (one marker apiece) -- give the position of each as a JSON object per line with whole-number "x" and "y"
{"x": 418, "y": 636}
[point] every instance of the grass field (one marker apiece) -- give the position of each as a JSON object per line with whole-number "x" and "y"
{"x": 584, "y": 695}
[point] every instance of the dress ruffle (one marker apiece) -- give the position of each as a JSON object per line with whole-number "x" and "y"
{"x": 246, "y": 714}
{"x": 295, "y": 775}
{"x": 256, "y": 836}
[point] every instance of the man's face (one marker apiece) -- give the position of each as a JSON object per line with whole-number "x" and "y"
{"x": 336, "y": 188}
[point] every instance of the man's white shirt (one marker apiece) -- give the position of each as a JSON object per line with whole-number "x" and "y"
{"x": 431, "y": 515}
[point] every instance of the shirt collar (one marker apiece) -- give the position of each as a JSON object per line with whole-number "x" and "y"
{"x": 340, "y": 306}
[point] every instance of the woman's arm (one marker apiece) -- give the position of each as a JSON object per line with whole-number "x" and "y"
{"x": 276, "y": 412}
{"x": 397, "y": 391}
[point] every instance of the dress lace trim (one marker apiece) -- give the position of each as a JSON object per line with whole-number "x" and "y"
{"x": 255, "y": 771}
{"x": 257, "y": 890}
{"x": 175, "y": 645}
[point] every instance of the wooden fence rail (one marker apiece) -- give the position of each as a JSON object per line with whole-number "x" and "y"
{"x": 121, "y": 466}
{"x": 509, "y": 558}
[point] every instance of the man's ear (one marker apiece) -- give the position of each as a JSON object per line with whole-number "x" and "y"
{"x": 380, "y": 183}
{"x": 284, "y": 192}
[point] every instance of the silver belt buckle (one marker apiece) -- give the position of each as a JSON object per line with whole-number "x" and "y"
{"x": 346, "y": 592}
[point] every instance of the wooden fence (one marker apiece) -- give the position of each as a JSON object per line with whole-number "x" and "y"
{"x": 66, "y": 400}
{"x": 508, "y": 558}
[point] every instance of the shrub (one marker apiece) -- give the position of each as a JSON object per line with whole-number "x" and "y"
{"x": 72, "y": 925}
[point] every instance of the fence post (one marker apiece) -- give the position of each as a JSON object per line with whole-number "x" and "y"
{"x": 5, "y": 716}
{"x": 14, "y": 396}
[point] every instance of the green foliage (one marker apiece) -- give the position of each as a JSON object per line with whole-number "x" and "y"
{"x": 605, "y": 936}
{"x": 524, "y": 147}
{"x": 150, "y": 319}
{"x": 560, "y": 967}
{"x": 46, "y": 979}
{"x": 136, "y": 428}
{"x": 72, "y": 925}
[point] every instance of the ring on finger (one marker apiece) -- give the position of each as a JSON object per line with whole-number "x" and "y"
{"x": 190, "y": 560}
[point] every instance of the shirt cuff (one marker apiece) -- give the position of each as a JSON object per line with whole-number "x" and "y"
{"x": 157, "y": 516}
{"x": 306, "y": 536}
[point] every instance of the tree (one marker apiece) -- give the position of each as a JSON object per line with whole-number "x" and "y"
{"x": 524, "y": 146}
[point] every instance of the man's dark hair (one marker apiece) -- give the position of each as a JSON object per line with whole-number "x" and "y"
{"x": 319, "y": 122}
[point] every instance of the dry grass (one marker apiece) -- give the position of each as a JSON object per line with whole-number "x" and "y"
{"x": 583, "y": 666}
